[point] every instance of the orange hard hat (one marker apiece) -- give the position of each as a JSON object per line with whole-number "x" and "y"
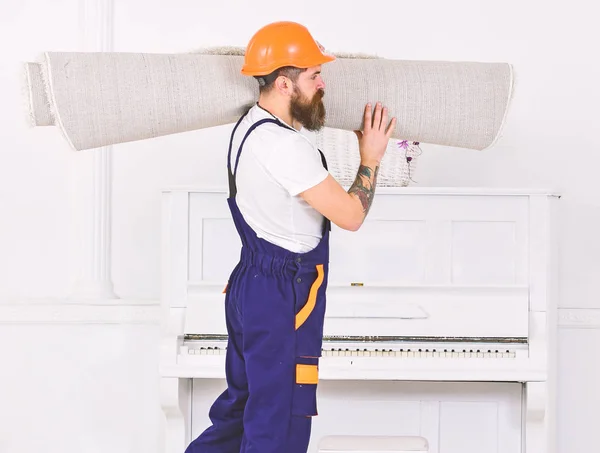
{"x": 282, "y": 44}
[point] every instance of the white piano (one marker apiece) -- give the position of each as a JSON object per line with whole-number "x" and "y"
{"x": 441, "y": 319}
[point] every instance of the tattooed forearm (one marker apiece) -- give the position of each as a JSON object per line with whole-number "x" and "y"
{"x": 364, "y": 186}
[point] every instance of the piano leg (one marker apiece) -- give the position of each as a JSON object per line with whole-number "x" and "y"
{"x": 175, "y": 398}
{"x": 538, "y": 429}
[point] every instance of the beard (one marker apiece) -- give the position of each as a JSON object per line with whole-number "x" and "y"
{"x": 309, "y": 113}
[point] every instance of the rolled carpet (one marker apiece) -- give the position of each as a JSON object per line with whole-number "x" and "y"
{"x": 99, "y": 99}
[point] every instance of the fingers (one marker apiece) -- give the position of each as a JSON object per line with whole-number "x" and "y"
{"x": 391, "y": 128}
{"x": 377, "y": 117}
{"x": 368, "y": 124}
{"x": 384, "y": 117}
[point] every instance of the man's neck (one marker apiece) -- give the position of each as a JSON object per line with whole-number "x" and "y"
{"x": 280, "y": 110}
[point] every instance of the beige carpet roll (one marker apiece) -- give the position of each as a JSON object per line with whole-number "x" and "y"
{"x": 100, "y": 99}
{"x": 39, "y": 103}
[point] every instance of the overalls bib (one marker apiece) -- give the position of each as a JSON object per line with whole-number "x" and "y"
{"x": 274, "y": 306}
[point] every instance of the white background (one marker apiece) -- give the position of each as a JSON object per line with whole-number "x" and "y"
{"x": 77, "y": 376}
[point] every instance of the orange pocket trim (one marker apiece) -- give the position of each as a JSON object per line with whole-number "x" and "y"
{"x": 307, "y": 374}
{"x": 305, "y": 312}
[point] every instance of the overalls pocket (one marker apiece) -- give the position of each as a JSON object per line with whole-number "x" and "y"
{"x": 304, "y": 398}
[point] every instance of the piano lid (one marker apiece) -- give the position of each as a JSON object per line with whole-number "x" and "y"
{"x": 490, "y": 314}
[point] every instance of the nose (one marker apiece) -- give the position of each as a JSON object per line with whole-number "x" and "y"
{"x": 321, "y": 84}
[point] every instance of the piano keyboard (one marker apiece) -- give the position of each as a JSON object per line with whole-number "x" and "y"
{"x": 347, "y": 350}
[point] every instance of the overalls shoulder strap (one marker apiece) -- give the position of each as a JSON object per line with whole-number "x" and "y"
{"x": 323, "y": 160}
{"x": 327, "y": 223}
{"x": 231, "y": 174}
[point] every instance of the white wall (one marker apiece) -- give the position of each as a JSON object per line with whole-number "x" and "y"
{"x": 82, "y": 377}
{"x": 34, "y": 168}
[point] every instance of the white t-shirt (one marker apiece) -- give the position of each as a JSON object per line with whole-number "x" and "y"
{"x": 276, "y": 164}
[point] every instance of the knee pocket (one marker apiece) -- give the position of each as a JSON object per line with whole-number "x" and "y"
{"x": 304, "y": 397}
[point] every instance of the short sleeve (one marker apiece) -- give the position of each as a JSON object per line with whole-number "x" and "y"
{"x": 296, "y": 164}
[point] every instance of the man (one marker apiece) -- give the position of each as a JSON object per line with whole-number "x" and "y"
{"x": 282, "y": 201}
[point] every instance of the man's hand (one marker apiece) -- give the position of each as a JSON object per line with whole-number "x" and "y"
{"x": 349, "y": 209}
{"x": 372, "y": 144}
{"x": 376, "y": 134}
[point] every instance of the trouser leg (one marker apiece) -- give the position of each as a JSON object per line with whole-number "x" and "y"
{"x": 227, "y": 412}
{"x": 278, "y": 410}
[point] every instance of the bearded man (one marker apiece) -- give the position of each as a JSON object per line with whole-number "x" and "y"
{"x": 282, "y": 200}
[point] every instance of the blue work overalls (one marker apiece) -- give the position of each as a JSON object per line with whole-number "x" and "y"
{"x": 274, "y": 306}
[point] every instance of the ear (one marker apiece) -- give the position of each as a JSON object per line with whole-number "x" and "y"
{"x": 284, "y": 85}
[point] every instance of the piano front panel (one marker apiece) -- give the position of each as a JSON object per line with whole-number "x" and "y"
{"x": 411, "y": 239}
{"x": 381, "y": 251}
{"x": 436, "y": 266}
{"x": 485, "y": 253}
{"x": 214, "y": 243}
{"x": 454, "y": 417}
{"x": 436, "y": 240}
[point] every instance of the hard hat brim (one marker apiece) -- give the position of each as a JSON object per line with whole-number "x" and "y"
{"x": 265, "y": 70}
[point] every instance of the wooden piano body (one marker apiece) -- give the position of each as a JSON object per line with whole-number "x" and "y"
{"x": 441, "y": 319}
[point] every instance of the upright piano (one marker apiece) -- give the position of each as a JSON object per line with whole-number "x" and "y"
{"x": 441, "y": 318}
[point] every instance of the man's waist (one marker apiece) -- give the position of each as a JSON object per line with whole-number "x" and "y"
{"x": 286, "y": 262}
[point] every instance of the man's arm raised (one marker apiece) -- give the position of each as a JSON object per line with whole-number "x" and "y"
{"x": 348, "y": 210}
